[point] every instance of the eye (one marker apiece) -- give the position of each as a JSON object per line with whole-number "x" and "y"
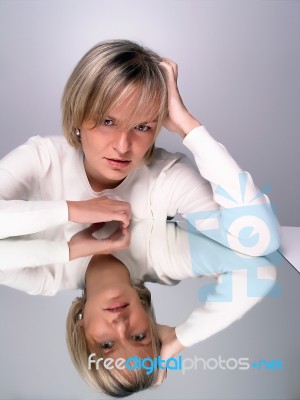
{"x": 143, "y": 128}
{"x": 139, "y": 337}
{"x": 108, "y": 122}
{"x": 106, "y": 345}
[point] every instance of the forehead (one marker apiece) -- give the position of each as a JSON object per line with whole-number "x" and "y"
{"x": 135, "y": 108}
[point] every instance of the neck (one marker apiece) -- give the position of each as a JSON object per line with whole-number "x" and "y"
{"x": 105, "y": 271}
{"x": 98, "y": 183}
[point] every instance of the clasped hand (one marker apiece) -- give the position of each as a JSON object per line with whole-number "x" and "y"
{"x": 97, "y": 212}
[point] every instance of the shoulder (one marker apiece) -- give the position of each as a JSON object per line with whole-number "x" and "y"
{"x": 162, "y": 156}
{"x": 48, "y": 146}
{"x": 166, "y": 161}
{"x": 46, "y": 151}
{"x": 50, "y": 142}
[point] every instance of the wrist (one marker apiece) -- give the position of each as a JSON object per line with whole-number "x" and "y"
{"x": 188, "y": 125}
{"x": 72, "y": 210}
{"x": 72, "y": 252}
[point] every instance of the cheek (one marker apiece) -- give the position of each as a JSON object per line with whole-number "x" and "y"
{"x": 144, "y": 144}
{"x": 92, "y": 143}
{"x": 141, "y": 316}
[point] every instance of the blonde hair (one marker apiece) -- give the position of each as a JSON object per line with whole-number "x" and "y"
{"x": 111, "y": 381}
{"x": 109, "y": 73}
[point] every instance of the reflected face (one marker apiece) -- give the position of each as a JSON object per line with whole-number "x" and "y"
{"x": 111, "y": 152}
{"x": 116, "y": 322}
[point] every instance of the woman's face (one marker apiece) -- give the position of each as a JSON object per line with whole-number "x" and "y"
{"x": 112, "y": 153}
{"x": 116, "y": 321}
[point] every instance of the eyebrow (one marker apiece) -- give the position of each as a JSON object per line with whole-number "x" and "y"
{"x": 115, "y": 347}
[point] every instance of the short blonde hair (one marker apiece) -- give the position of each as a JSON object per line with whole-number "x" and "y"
{"x": 107, "y": 75}
{"x": 111, "y": 381}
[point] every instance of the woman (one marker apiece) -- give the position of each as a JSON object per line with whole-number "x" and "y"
{"x": 114, "y": 104}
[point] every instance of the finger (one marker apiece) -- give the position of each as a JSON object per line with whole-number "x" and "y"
{"x": 162, "y": 374}
{"x": 169, "y": 63}
{"x": 123, "y": 217}
{"x": 121, "y": 206}
{"x": 118, "y": 240}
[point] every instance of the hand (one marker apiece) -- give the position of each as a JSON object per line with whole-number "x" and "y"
{"x": 84, "y": 244}
{"x": 101, "y": 209}
{"x": 179, "y": 119}
{"x": 170, "y": 347}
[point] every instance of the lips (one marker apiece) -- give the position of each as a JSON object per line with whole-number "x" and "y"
{"x": 118, "y": 162}
{"x": 117, "y": 307}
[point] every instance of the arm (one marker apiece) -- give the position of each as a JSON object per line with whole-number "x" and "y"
{"x": 225, "y": 205}
{"x": 22, "y": 210}
{"x": 231, "y": 284}
{"x": 235, "y": 293}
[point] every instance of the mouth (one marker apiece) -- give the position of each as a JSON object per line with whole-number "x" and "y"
{"x": 118, "y": 162}
{"x": 117, "y": 307}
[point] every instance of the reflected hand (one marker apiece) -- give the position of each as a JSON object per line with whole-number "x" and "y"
{"x": 179, "y": 119}
{"x": 84, "y": 244}
{"x": 101, "y": 209}
{"x": 169, "y": 348}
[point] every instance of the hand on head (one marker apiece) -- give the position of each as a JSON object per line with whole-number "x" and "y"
{"x": 170, "y": 347}
{"x": 179, "y": 119}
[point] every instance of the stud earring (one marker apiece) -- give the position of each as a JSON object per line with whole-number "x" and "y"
{"x": 77, "y": 133}
{"x": 80, "y": 315}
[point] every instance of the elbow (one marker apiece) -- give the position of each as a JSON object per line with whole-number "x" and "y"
{"x": 271, "y": 240}
{"x": 261, "y": 242}
{"x": 255, "y": 237}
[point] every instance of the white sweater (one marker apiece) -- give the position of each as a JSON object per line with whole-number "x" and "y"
{"x": 221, "y": 201}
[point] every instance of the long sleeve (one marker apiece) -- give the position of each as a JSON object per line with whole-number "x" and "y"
{"x": 223, "y": 202}
{"x": 39, "y": 266}
{"x": 21, "y": 252}
{"x": 234, "y": 294}
{"x": 23, "y": 210}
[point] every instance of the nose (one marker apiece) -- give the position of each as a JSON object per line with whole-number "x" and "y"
{"x": 122, "y": 142}
{"x": 121, "y": 325}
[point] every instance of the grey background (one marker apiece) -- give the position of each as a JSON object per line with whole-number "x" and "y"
{"x": 239, "y": 64}
{"x": 239, "y": 68}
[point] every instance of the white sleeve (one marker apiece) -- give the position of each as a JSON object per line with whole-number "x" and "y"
{"x": 39, "y": 267}
{"x": 21, "y": 252}
{"x": 223, "y": 202}
{"x": 230, "y": 283}
{"x": 234, "y": 295}
{"x": 20, "y": 174}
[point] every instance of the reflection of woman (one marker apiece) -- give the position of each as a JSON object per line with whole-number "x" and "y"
{"x": 114, "y": 319}
{"x": 114, "y": 104}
